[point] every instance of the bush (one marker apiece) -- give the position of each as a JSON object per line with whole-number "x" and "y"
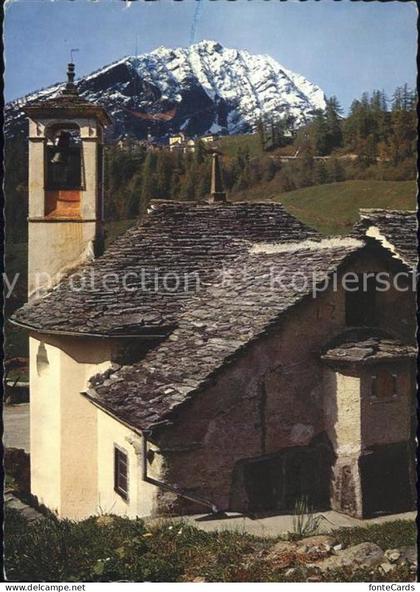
{"x": 61, "y": 550}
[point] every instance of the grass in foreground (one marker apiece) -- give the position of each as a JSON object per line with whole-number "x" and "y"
{"x": 110, "y": 548}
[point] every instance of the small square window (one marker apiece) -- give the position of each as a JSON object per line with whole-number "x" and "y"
{"x": 121, "y": 472}
{"x": 384, "y": 385}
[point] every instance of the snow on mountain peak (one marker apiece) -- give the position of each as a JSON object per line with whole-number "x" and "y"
{"x": 206, "y": 85}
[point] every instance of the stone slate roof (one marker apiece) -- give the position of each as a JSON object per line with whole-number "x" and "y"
{"x": 397, "y": 227}
{"x": 359, "y": 348}
{"x": 219, "y": 323}
{"x": 191, "y": 239}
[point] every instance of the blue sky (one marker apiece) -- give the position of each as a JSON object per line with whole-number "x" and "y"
{"x": 344, "y": 47}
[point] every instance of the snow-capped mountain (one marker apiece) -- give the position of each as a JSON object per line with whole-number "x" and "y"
{"x": 200, "y": 89}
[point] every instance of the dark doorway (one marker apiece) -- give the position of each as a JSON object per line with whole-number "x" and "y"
{"x": 385, "y": 476}
{"x": 273, "y": 484}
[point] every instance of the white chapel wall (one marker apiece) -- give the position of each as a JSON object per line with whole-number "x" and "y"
{"x": 141, "y": 495}
{"x": 64, "y": 423}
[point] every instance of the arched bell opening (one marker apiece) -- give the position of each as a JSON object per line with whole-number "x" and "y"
{"x": 63, "y": 171}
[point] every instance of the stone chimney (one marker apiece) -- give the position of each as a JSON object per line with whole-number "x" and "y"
{"x": 217, "y": 193}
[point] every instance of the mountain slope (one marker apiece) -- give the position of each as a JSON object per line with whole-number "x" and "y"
{"x": 203, "y": 88}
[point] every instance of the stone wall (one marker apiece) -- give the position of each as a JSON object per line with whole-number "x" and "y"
{"x": 271, "y": 398}
{"x": 275, "y": 395}
{"x": 387, "y": 420}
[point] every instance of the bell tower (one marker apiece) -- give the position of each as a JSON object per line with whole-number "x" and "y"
{"x": 65, "y": 185}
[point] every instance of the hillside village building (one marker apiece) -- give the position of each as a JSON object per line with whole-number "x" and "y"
{"x": 210, "y": 357}
{"x": 177, "y": 141}
{"x": 189, "y": 145}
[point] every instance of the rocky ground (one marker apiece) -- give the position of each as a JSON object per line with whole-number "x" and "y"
{"x": 315, "y": 556}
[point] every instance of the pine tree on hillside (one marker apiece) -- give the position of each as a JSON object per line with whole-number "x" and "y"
{"x": 406, "y": 96}
{"x": 163, "y": 175}
{"x": 241, "y": 169}
{"x": 189, "y": 181}
{"x": 148, "y": 187}
{"x": 397, "y": 100}
{"x": 261, "y": 132}
{"x": 200, "y": 152}
{"x": 368, "y": 153}
{"x": 403, "y": 141}
{"x": 204, "y": 180}
{"x": 303, "y": 169}
{"x": 320, "y": 173}
{"x": 351, "y": 127}
{"x": 380, "y": 116}
{"x": 16, "y": 189}
{"x": 135, "y": 206}
{"x": 335, "y": 170}
{"x": 332, "y": 115}
{"x": 364, "y": 100}
{"x": 175, "y": 185}
{"x": 268, "y": 169}
{"x": 320, "y": 134}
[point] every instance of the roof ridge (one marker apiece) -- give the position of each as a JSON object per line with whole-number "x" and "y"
{"x": 161, "y": 201}
{"x": 387, "y": 211}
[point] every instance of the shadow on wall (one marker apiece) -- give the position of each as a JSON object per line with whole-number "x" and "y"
{"x": 273, "y": 484}
{"x": 385, "y": 477}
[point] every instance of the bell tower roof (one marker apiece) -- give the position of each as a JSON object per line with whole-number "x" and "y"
{"x": 68, "y": 104}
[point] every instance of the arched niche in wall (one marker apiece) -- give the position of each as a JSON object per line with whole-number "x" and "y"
{"x": 42, "y": 362}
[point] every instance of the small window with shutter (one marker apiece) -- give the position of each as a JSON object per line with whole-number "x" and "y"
{"x": 121, "y": 472}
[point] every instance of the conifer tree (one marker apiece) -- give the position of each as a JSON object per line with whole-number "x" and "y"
{"x": 332, "y": 116}
{"x": 335, "y": 171}
{"x": 200, "y": 152}
{"x": 320, "y": 173}
{"x": 268, "y": 169}
{"x": 163, "y": 175}
{"x": 261, "y": 133}
{"x": 148, "y": 187}
{"x": 204, "y": 179}
{"x": 320, "y": 134}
